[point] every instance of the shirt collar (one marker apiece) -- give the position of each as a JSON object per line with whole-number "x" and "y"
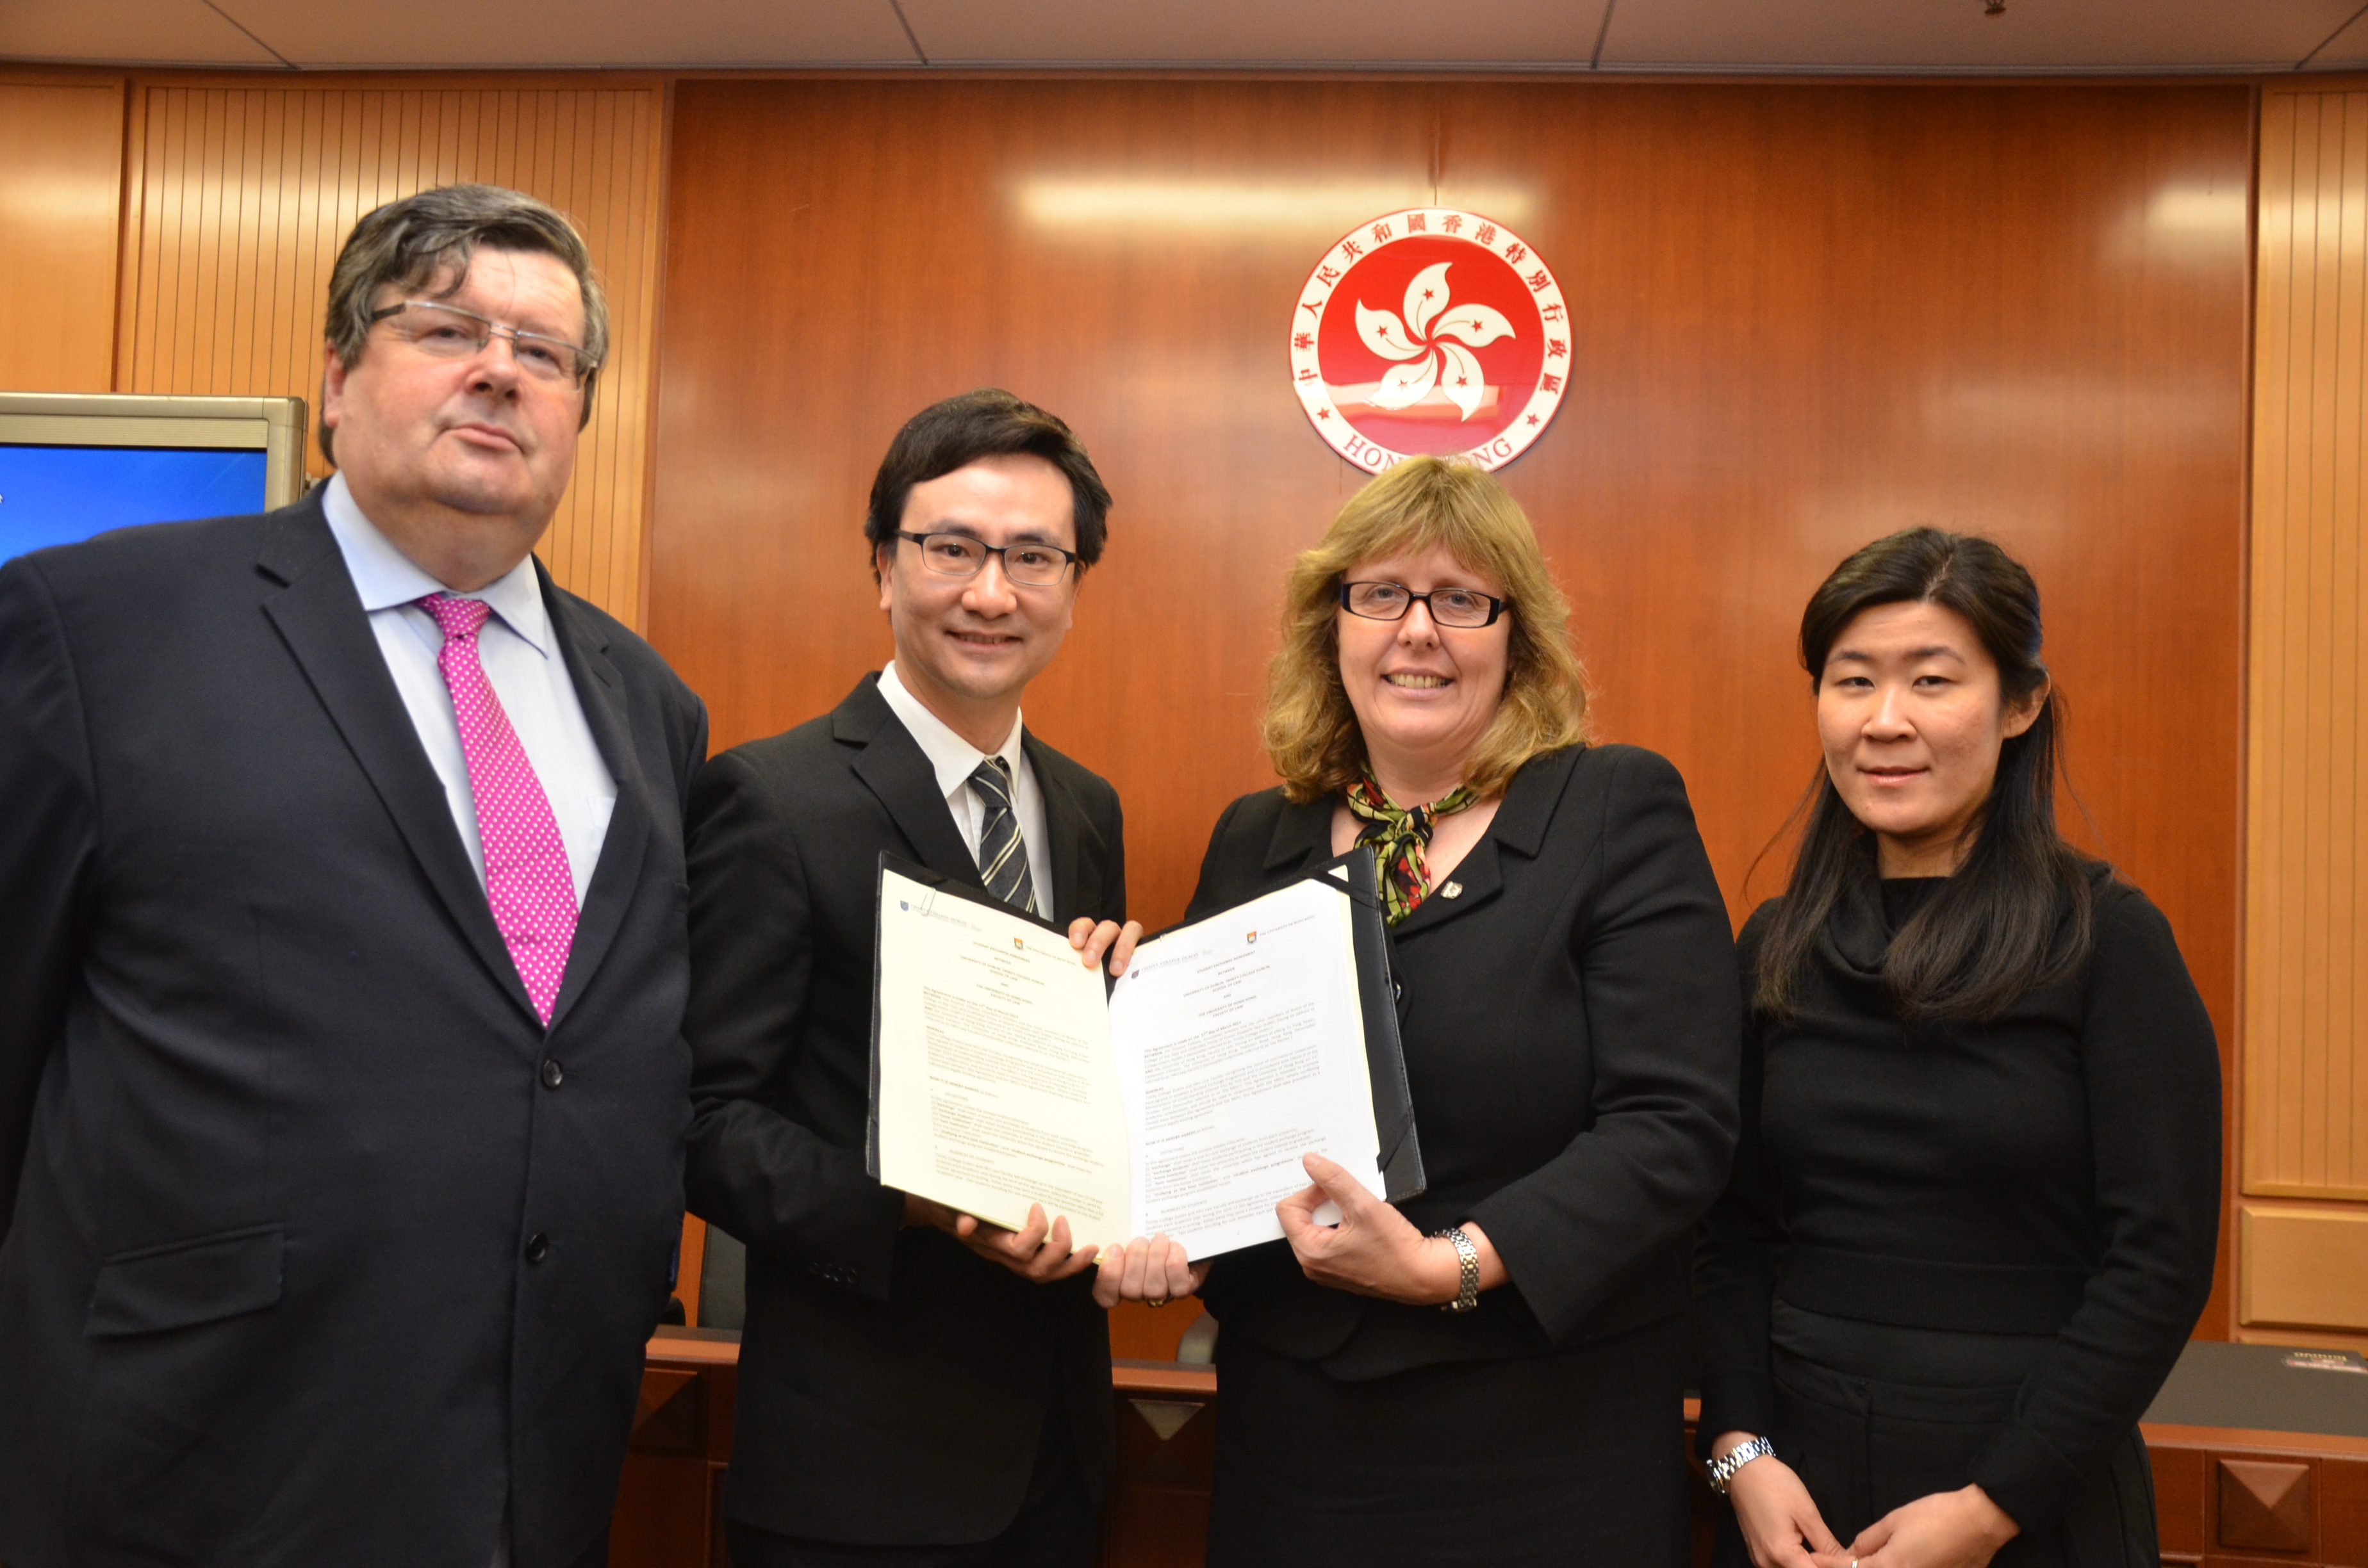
{"x": 388, "y": 579}
{"x": 952, "y": 758}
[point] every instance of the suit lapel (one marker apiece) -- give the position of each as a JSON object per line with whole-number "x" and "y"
{"x": 1477, "y": 880}
{"x": 1076, "y": 863}
{"x": 624, "y": 852}
{"x": 1520, "y": 829}
{"x": 893, "y": 767}
{"x": 1302, "y": 838}
{"x": 312, "y": 603}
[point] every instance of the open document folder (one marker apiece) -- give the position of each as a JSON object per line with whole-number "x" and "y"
{"x": 1178, "y": 1099}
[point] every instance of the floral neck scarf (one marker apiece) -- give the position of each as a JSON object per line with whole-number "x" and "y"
{"x": 1399, "y": 837}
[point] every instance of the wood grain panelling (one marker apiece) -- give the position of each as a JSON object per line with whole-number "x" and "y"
{"x": 2304, "y": 1268}
{"x": 1808, "y": 314}
{"x": 61, "y": 195}
{"x": 2305, "y": 1123}
{"x": 243, "y": 194}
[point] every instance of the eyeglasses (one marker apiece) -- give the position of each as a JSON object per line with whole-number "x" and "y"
{"x": 1465, "y": 608}
{"x": 960, "y": 555}
{"x": 447, "y": 332}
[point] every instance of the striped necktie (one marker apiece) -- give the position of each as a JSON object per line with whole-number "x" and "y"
{"x": 1002, "y": 852}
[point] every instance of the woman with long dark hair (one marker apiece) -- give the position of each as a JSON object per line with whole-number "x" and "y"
{"x": 1974, "y": 1212}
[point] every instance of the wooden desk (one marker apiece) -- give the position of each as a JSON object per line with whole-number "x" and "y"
{"x": 2227, "y": 1498}
{"x": 670, "y": 1499}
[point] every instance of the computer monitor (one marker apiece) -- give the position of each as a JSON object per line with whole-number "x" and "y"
{"x": 75, "y": 465}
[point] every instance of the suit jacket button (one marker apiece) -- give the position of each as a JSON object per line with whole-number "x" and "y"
{"x": 537, "y": 1247}
{"x": 554, "y": 1075}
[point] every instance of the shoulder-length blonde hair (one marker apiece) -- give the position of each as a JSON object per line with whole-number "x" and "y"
{"x": 1311, "y": 732}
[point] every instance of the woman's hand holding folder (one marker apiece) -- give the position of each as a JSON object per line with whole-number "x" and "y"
{"x": 1374, "y": 1250}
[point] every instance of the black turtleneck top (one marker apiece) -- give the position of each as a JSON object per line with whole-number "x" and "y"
{"x": 2054, "y": 1171}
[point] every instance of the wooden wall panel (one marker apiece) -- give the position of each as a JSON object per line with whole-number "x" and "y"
{"x": 2305, "y": 1123}
{"x": 60, "y": 199}
{"x": 2304, "y": 1268}
{"x": 1808, "y": 314}
{"x": 242, "y": 196}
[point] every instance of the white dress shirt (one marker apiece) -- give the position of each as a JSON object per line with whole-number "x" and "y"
{"x": 955, "y": 759}
{"x": 523, "y": 665}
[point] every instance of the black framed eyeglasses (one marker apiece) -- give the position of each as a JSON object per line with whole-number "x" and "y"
{"x": 1465, "y": 608}
{"x": 447, "y": 332}
{"x": 960, "y": 555}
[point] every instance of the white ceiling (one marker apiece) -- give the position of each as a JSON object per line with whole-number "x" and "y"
{"x": 1885, "y": 36}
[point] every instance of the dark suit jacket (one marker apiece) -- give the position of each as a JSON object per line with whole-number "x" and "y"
{"x": 273, "y": 1134}
{"x": 1570, "y": 1020}
{"x": 893, "y": 1383}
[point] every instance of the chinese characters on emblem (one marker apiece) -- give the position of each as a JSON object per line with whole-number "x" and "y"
{"x": 1434, "y": 388}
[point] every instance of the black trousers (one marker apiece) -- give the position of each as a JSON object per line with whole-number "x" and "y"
{"x": 1059, "y": 1526}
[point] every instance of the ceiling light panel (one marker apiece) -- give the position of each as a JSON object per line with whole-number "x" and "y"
{"x": 1215, "y": 32}
{"x": 583, "y": 32}
{"x": 1957, "y": 35}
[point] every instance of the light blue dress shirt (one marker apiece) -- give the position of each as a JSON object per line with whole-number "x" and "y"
{"x": 523, "y": 665}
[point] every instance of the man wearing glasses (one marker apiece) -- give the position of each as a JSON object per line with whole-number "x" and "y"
{"x": 342, "y": 966}
{"x": 916, "y": 1390}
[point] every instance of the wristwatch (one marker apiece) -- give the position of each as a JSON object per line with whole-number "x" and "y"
{"x": 1467, "y": 1274}
{"x": 1722, "y": 1471}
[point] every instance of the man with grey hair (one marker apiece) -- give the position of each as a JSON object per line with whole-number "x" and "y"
{"x": 342, "y": 969}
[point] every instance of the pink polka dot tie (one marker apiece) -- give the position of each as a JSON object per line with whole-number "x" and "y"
{"x": 527, "y": 879}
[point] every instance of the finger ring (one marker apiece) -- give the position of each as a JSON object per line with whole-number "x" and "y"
{"x": 1154, "y": 1301}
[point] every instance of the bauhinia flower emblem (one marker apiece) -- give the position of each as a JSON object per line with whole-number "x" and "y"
{"x": 1434, "y": 339}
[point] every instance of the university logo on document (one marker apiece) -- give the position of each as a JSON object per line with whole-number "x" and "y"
{"x": 1430, "y": 331}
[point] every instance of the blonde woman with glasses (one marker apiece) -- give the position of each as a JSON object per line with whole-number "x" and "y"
{"x": 1494, "y": 1372}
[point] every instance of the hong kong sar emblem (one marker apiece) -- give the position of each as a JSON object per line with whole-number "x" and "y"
{"x": 1430, "y": 331}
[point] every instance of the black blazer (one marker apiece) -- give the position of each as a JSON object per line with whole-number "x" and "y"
{"x": 274, "y": 1133}
{"x": 1570, "y": 1019}
{"x": 893, "y": 1383}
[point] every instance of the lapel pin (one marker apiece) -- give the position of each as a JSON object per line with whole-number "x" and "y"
{"x": 1452, "y": 890}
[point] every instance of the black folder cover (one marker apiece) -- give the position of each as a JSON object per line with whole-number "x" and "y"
{"x": 1353, "y": 876}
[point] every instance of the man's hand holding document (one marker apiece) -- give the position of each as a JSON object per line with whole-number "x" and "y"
{"x": 1178, "y": 1101}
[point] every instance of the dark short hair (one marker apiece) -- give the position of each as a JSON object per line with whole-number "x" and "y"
{"x": 411, "y": 243}
{"x": 988, "y": 423}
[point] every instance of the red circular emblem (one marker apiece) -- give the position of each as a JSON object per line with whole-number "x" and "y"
{"x": 1430, "y": 331}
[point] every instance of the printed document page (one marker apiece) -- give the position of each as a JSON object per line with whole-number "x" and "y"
{"x": 995, "y": 1080}
{"x": 1240, "y": 1046}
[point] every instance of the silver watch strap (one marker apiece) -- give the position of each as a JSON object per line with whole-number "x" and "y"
{"x": 1722, "y": 1471}
{"x": 1467, "y": 1273}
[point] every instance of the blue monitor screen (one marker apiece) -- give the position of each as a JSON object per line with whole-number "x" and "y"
{"x": 57, "y": 495}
